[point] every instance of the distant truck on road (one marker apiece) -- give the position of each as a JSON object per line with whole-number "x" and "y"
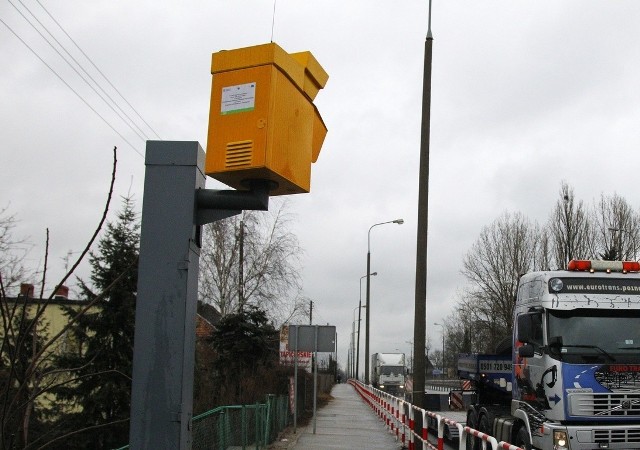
{"x": 388, "y": 372}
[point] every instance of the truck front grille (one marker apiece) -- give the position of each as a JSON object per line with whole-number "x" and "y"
{"x": 617, "y": 435}
{"x": 605, "y": 405}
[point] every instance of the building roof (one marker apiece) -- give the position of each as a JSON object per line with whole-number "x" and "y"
{"x": 209, "y": 313}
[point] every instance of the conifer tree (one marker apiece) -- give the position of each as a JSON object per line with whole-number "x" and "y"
{"x": 99, "y": 396}
{"x": 246, "y": 362}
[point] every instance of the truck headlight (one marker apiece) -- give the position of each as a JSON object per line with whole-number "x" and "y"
{"x": 382, "y": 386}
{"x": 560, "y": 441}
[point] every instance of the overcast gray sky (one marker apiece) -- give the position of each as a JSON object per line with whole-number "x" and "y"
{"x": 525, "y": 94}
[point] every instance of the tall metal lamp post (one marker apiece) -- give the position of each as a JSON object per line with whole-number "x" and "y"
{"x": 411, "y": 354}
{"x": 442, "y": 325}
{"x": 360, "y": 308}
{"x": 420, "y": 316}
{"x": 368, "y": 306}
{"x": 352, "y": 363}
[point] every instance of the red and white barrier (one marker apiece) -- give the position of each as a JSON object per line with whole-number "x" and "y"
{"x": 399, "y": 417}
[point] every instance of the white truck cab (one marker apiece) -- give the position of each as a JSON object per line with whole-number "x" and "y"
{"x": 576, "y": 356}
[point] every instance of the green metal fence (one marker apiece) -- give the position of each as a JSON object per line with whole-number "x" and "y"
{"x": 240, "y": 426}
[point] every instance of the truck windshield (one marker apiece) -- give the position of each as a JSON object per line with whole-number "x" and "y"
{"x": 392, "y": 370}
{"x": 594, "y": 336}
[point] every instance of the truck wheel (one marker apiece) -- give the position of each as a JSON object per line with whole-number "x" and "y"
{"x": 522, "y": 439}
{"x": 486, "y": 424}
{"x": 473, "y": 443}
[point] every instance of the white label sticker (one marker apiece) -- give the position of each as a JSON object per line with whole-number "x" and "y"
{"x": 237, "y": 99}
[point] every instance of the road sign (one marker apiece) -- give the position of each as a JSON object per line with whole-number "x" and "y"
{"x": 303, "y": 338}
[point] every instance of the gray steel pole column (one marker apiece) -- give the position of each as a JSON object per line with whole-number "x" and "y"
{"x": 420, "y": 316}
{"x": 353, "y": 341}
{"x": 359, "y": 320}
{"x": 358, "y": 342}
{"x": 368, "y": 314}
{"x": 443, "y": 360}
{"x": 351, "y": 349}
{"x": 162, "y": 387}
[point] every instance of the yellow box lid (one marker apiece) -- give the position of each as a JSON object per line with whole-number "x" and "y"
{"x": 315, "y": 76}
{"x": 258, "y": 55}
{"x": 301, "y": 68}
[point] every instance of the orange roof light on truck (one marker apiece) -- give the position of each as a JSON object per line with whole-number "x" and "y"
{"x": 603, "y": 266}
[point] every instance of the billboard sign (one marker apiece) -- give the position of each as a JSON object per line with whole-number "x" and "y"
{"x": 313, "y": 338}
{"x": 287, "y": 354}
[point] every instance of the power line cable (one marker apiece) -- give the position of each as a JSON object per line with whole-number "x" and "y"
{"x": 98, "y": 69}
{"x": 69, "y": 86}
{"x": 76, "y": 71}
{"x": 86, "y": 72}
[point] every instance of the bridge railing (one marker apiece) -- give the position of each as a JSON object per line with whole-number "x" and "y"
{"x": 399, "y": 417}
{"x": 252, "y": 426}
{"x": 442, "y": 385}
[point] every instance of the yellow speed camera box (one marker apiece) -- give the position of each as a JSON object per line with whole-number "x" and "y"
{"x": 262, "y": 120}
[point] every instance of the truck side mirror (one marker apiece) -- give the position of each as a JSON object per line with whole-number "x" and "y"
{"x": 525, "y": 328}
{"x": 526, "y": 351}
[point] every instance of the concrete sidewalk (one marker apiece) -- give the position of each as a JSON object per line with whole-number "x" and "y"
{"x": 346, "y": 422}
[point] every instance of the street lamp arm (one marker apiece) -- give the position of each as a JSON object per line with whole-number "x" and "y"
{"x": 362, "y": 278}
{"x": 368, "y": 314}
{"x": 398, "y": 221}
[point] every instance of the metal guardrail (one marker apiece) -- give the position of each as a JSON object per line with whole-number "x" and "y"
{"x": 442, "y": 385}
{"x": 399, "y": 416}
{"x": 240, "y": 426}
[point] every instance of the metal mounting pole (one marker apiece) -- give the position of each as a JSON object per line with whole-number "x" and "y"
{"x": 175, "y": 204}
{"x": 163, "y": 356}
{"x": 420, "y": 315}
{"x": 367, "y": 315}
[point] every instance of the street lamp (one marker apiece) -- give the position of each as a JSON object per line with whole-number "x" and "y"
{"x": 352, "y": 365}
{"x": 411, "y": 353}
{"x": 359, "y": 309}
{"x": 368, "y": 315}
{"x": 442, "y": 325}
{"x": 350, "y": 355}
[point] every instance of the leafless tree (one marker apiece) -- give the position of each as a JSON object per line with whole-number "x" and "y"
{"x": 253, "y": 258}
{"x": 545, "y": 252}
{"x": 460, "y": 327}
{"x": 616, "y": 229}
{"x": 570, "y": 230}
{"x": 512, "y": 246}
{"x": 13, "y": 249}
{"x": 504, "y": 250}
{"x": 26, "y": 356}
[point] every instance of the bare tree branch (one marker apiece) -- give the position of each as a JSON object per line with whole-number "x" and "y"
{"x": 504, "y": 250}
{"x": 270, "y": 275}
{"x": 27, "y": 385}
{"x": 82, "y": 430}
